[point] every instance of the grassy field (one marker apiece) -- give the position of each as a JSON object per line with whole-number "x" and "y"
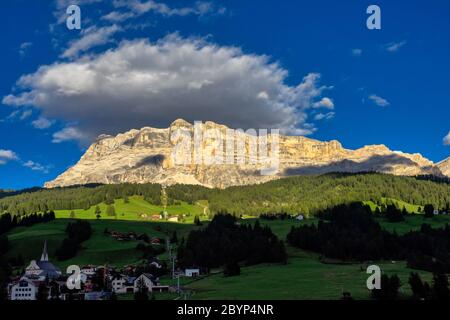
{"x": 156, "y": 296}
{"x": 303, "y": 277}
{"x": 281, "y": 227}
{"x": 135, "y": 208}
{"x": 411, "y": 208}
{"x": 414, "y": 222}
{"x": 99, "y": 249}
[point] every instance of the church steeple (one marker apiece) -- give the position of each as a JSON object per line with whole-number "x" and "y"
{"x": 44, "y": 256}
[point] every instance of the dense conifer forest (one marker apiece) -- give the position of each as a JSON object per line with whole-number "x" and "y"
{"x": 304, "y": 194}
{"x": 350, "y": 233}
{"x": 225, "y": 242}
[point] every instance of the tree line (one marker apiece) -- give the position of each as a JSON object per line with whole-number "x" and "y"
{"x": 293, "y": 195}
{"x": 350, "y": 232}
{"x": 8, "y": 221}
{"x": 224, "y": 241}
{"x": 70, "y": 198}
{"x": 421, "y": 290}
{"x": 77, "y": 232}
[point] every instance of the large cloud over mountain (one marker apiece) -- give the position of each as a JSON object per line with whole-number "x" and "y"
{"x": 140, "y": 83}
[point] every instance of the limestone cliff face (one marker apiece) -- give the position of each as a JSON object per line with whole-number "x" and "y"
{"x": 150, "y": 155}
{"x": 444, "y": 166}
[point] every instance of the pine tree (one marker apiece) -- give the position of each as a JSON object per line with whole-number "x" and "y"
{"x": 440, "y": 287}
{"x": 174, "y": 238}
{"x": 142, "y": 291}
{"x": 98, "y": 212}
{"x": 419, "y": 289}
{"x": 110, "y": 211}
{"x": 232, "y": 269}
{"x": 429, "y": 211}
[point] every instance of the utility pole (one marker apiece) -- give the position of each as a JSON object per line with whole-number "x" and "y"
{"x": 171, "y": 258}
{"x": 173, "y": 267}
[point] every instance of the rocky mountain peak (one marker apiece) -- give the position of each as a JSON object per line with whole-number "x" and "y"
{"x": 180, "y": 123}
{"x": 145, "y": 155}
{"x": 444, "y": 166}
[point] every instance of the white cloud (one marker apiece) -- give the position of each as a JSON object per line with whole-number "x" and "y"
{"x": 446, "y": 139}
{"x": 67, "y": 134}
{"x": 26, "y": 114}
{"x": 13, "y": 114}
{"x": 324, "y": 103}
{"x": 24, "y": 48}
{"x": 357, "y": 52}
{"x": 41, "y": 123}
{"x": 379, "y": 101}
{"x": 7, "y": 155}
{"x": 263, "y": 95}
{"x": 116, "y": 16}
{"x": 326, "y": 116}
{"x": 150, "y": 84}
{"x": 35, "y": 166}
{"x": 138, "y": 8}
{"x": 63, "y": 4}
{"x": 90, "y": 37}
{"x": 394, "y": 46}
{"x": 19, "y": 114}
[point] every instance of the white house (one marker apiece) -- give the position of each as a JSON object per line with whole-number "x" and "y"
{"x": 88, "y": 270}
{"x": 149, "y": 280}
{"x": 122, "y": 284}
{"x": 25, "y": 289}
{"x": 192, "y": 272}
{"x": 118, "y": 285}
{"x": 300, "y": 217}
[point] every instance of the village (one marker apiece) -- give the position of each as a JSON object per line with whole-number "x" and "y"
{"x": 42, "y": 280}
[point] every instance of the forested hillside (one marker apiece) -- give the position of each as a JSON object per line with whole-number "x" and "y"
{"x": 308, "y": 194}
{"x": 82, "y": 197}
{"x": 305, "y": 194}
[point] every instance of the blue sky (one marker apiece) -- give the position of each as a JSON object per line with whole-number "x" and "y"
{"x": 333, "y": 78}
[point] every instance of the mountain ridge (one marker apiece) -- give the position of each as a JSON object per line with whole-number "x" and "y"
{"x": 444, "y": 166}
{"x": 145, "y": 155}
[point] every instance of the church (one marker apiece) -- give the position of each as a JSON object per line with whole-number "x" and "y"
{"x": 42, "y": 268}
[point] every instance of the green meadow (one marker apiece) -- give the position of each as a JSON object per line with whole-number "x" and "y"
{"x": 410, "y": 208}
{"x": 305, "y": 276}
{"x": 99, "y": 249}
{"x": 136, "y": 210}
{"x": 414, "y": 222}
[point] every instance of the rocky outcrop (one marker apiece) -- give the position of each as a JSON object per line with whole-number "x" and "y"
{"x": 152, "y": 155}
{"x": 444, "y": 166}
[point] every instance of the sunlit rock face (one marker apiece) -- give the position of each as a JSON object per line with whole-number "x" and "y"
{"x": 444, "y": 166}
{"x": 149, "y": 155}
